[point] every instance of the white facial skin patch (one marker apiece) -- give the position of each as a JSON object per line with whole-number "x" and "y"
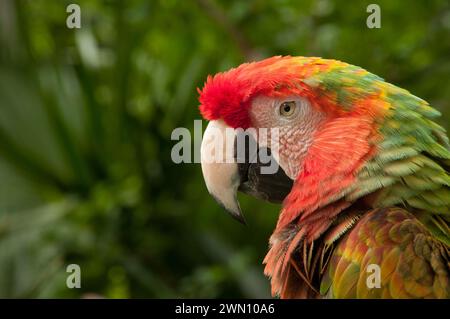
{"x": 296, "y": 127}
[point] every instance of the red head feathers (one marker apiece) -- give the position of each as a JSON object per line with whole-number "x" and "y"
{"x": 227, "y": 95}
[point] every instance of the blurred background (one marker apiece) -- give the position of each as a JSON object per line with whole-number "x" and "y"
{"x": 86, "y": 117}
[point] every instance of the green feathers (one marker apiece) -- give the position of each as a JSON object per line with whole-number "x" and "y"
{"x": 412, "y": 161}
{"x": 409, "y": 261}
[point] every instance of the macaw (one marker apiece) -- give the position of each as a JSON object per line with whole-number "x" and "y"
{"x": 363, "y": 177}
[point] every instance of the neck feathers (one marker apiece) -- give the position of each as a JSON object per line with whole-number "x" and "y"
{"x": 329, "y": 173}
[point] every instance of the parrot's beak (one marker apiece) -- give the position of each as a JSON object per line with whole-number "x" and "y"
{"x": 228, "y": 169}
{"x": 220, "y": 168}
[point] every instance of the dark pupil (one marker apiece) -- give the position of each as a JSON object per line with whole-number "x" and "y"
{"x": 287, "y": 108}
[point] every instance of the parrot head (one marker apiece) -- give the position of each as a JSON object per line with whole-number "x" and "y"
{"x": 333, "y": 122}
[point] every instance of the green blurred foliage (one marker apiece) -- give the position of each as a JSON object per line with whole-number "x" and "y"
{"x": 86, "y": 117}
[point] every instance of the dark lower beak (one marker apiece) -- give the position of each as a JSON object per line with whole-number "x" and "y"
{"x": 269, "y": 187}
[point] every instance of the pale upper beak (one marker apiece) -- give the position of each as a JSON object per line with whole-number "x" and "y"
{"x": 224, "y": 175}
{"x": 220, "y": 168}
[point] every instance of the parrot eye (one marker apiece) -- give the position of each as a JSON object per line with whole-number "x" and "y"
{"x": 287, "y": 108}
